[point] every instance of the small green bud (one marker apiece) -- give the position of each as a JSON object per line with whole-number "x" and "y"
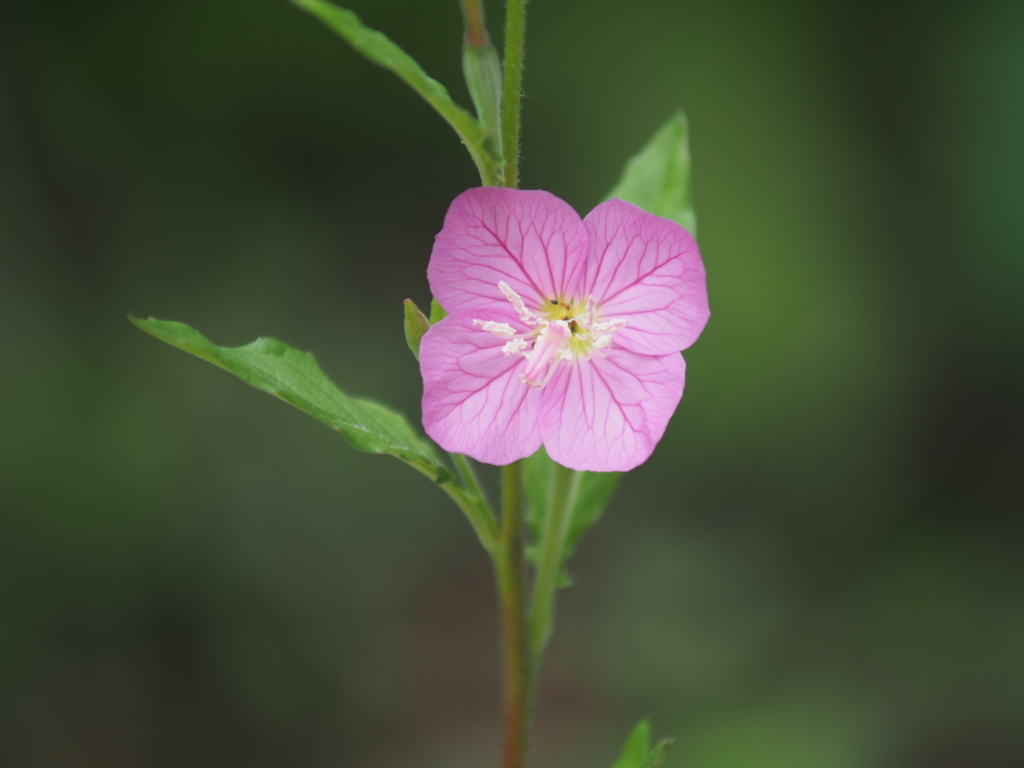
{"x": 416, "y": 324}
{"x": 482, "y": 69}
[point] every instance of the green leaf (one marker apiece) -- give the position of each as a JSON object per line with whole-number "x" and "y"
{"x": 635, "y": 753}
{"x": 658, "y": 178}
{"x": 379, "y": 49}
{"x": 536, "y": 481}
{"x": 658, "y": 754}
{"x": 416, "y": 324}
{"x": 293, "y": 376}
{"x": 437, "y": 313}
{"x": 637, "y": 746}
{"x": 593, "y": 493}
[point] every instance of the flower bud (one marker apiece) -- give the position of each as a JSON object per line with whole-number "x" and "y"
{"x": 482, "y": 69}
{"x": 416, "y": 324}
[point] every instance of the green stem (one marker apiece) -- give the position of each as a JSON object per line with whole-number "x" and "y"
{"x": 510, "y": 571}
{"x": 512, "y": 88}
{"x": 509, "y": 560}
{"x": 564, "y": 487}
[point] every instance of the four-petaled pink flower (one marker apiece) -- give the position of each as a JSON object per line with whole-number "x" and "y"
{"x": 562, "y": 332}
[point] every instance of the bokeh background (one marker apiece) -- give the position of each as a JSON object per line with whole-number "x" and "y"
{"x": 821, "y": 566}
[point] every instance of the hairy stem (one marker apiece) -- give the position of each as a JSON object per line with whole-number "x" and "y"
{"x": 509, "y": 560}
{"x": 509, "y": 567}
{"x": 512, "y": 88}
{"x": 564, "y": 486}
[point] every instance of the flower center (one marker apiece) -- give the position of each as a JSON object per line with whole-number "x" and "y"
{"x": 568, "y": 331}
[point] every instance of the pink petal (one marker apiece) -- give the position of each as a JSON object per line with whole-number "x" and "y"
{"x": 473, "y": 400}
{"x": 607, "y": 415}
{"x": 646, "y": 270}
{"x": 527, "y": 238}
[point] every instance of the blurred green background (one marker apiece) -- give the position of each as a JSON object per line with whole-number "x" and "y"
{"x": 821, "y": 566}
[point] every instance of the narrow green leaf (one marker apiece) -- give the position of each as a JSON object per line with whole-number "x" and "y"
{"x": 536, "y": 481}
{"x": 595, "y": 491}
{"x": 293, "y": 376}
{"x": 437, "y": 313}
{"x": 379, "y": 49}
{"x": 658, "y": 754}
{"x": 637, "y": 746}
{"x": 592, "y": 497}
{"x": 658, "y": 178}
{"x": 416, "y": 324}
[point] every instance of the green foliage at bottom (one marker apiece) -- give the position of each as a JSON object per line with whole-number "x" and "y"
{"x": 637, "y": 752}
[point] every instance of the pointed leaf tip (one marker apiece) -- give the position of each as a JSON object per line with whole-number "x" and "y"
{"x": 657, "y": 178}
{"x": 637, "y": 746}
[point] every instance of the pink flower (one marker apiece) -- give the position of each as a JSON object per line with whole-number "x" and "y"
{"x": 562, "y": 332}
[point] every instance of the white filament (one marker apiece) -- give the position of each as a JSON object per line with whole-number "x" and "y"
{"x": 517, "y": 302}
